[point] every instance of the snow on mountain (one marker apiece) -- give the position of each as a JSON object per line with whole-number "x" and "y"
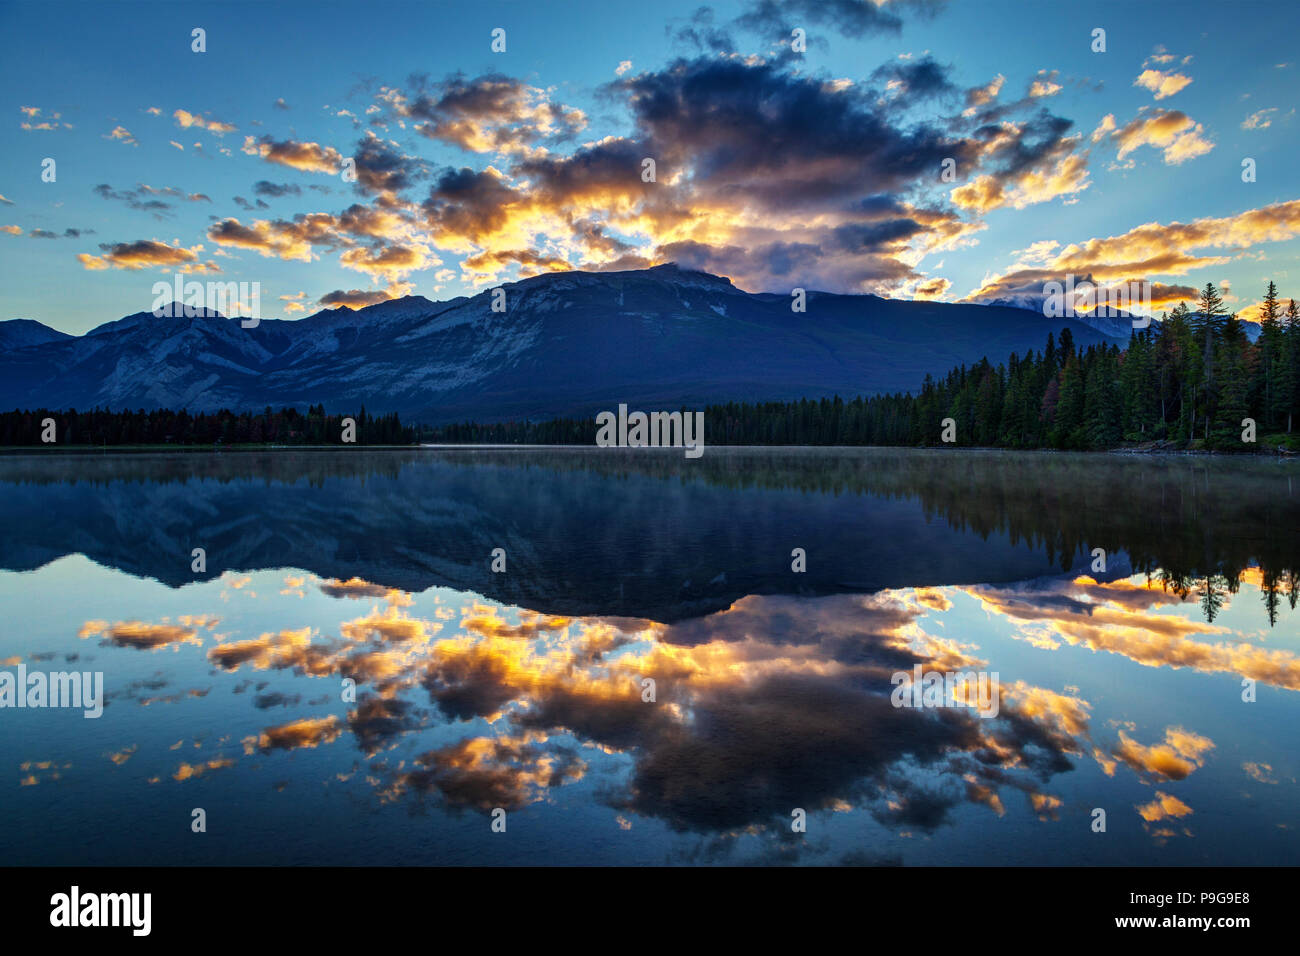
{"x": 24, "y": 333}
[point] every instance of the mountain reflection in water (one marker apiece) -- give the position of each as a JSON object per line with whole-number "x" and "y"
{"x": 526, "y": 691}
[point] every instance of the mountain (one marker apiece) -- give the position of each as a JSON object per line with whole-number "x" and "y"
{"x": 23, "y": 333}
{"x": 570, "y": 343}
{"x": 1116, "y": 323}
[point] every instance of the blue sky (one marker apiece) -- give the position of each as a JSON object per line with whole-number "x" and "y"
{"x": 780, "y": 169}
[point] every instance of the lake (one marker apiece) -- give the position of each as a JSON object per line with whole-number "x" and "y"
{"x": 624, "y": 656}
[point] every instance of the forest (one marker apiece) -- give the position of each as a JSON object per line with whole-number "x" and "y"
{"x": 288, "y": 426}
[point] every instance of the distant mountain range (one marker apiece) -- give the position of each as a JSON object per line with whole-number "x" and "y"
{"x": 570, "y": 343}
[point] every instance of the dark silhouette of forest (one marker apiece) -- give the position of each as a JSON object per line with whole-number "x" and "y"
{"x": 287, "y": 426}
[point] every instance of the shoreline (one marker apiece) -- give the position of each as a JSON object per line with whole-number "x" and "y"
{"x": 1271, "y": 452}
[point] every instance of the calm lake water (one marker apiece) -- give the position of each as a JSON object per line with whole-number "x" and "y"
{"x": 1163, "y": 690}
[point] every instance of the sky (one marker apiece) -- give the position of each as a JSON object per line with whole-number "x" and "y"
{"x": 345, "y": 154}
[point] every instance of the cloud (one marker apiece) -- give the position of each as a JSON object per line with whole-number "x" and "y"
{"x": 32, "y": 112}
{"x": 188, "y": 771}
{"x": 764, "y": 174}
{"x": 357, "y": 588}
{"x": 1175, "y": 759}
{"x": 140, "y": 254}
{"x": 353, "y": 298}
{"x": 1030, "y": 162}
{"x": 1163, "y": 807}
{"x": 1044, "y": 84}
{"x": 185, "y": 120}
{"x": 852, "y": 18}
{"x": 380, "y": 168}
{"x": 123, "y": 134}
{"x": 390, "y": 625}
{"x": 1151, "y": 249}
{"x": 980, "y": 96}
{"x": 1176, "y": 134}
{"x": 145, "y": 198}
{"x": 750, "y": 159}
{"x": 488, "y": 772}
{"x": 275, "y": 190}
{"x": 388, "y": 262}
{"x": 1260, "y": 119}
{"x": 139, "y": 635}
{"x": 934, "y": 288}
{"x": 1113, "y": 618}
{"x": 278, "y": 238}
{"x": 700, "y": 32}
{"x": 915, "y": 80}
{"x": 1162, "y": 84}
{"x": 295, "y": 735}
{"x": 69, "y": 233}
{"x": 488, "y": 114}
{"x": 305, "y": 156}
{"x": 1259, "y": 772}
{"x": 806, "y": 682}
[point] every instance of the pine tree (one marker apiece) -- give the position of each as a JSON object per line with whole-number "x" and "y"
{"x": 1271, "y": 358}
{"x": 1233, "y": 399}
{"x": 1068, "y": 430}
{"x": 1289, "y": 373}
{"x": 1205, "y": 324}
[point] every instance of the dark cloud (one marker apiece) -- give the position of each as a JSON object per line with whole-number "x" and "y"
{"x": 852, "y": 18}
{"x": 146, "y": 198}
{"x": 919, "y": 80}
{"x": 786, "y": 141}
{"x": 275, "y": 190}
{"x": 276, "y": 699}
{"x": 490, "y": 113}
{"x": 468, "y": 203}
{"x": 486, "y": 773}
{"x": 353, "y": 298}
{"x": 378, "y": 721}
{"x": 382, "y": 169}
{"x": 700, "y": 33}
{"x": 135, "y": 199}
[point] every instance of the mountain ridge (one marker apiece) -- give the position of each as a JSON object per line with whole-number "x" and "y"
{"x": 568, "y": 343}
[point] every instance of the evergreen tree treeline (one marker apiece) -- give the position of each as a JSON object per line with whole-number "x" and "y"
{"x": 162, "y": 427}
